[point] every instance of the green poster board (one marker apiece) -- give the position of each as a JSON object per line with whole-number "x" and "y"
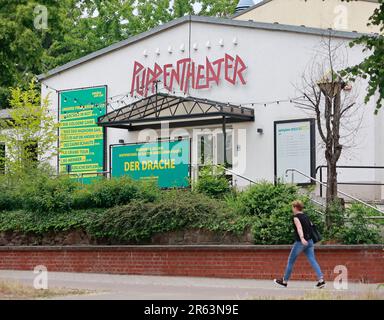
{"x": 165, "y": 162}
{"x": 81, "y": 140}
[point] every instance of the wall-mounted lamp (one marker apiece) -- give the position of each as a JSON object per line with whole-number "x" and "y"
{"x": 260, "y": 130}
{"x": 121, "y": 140}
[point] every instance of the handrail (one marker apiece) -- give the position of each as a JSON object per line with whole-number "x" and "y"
{"x": 326, "y": 185}
{"x": 321, "y": 167}
{"x": 234, "y": 173}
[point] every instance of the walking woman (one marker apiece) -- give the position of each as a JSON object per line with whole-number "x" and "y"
{"x": 303, "y": 243}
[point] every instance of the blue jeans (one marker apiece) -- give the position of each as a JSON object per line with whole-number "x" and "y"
{"x": 309, "y": 251}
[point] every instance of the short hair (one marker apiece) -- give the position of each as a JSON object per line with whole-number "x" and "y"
{"x": 299, "y": 205}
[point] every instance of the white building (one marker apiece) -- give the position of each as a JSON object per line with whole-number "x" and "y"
{"x": 245, "y": 71}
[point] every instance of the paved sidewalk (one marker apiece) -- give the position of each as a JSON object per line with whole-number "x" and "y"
{"x": 106, "y": 286}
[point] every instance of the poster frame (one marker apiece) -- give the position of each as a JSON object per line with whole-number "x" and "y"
{"x": 59, "y": 92}
{"x": 312, "y": 125}
{"x": 156, "y": 141}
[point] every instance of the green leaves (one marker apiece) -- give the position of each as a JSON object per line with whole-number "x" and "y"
{"x": 32, "y": 132}
{"x": 77, "y": 28}
{"x": 372, "y": 67}
{"x": 212, "y": 182}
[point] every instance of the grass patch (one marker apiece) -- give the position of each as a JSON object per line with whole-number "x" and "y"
{"x": 13, "y": 290}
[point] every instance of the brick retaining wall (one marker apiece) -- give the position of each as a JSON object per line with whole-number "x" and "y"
{"x": 364, "y": 263}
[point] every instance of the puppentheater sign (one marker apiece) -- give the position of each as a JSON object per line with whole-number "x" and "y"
{"x": 185, "y": 73}
{"x": 166, "y": 162}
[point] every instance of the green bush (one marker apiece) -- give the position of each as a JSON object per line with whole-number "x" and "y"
{"x": 107, "y": 193}
{"x": 8, "y": 198}
{"x": 32, "y": 223}
{"x": 47, "y": 195}
{"x": 270, "y": 207}
{"x": 212, "y": 182}
{"x": 277, "y": 227}
{"x": 265, "y": 197}
{"x": 174, "y": 210}
{"x": 358, "y": 229}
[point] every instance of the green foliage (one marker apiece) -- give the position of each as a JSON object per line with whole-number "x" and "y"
{"x": 31, "y": 223}
{"x": 48, "y": 195}
{"x": 359, "y": 229}
{"x": 76, "y": 28}
{"x": 31, "y": 134}
{"x": 270, "y": 211}
{"x": 372, "y": 67}
{"x": 174, "y": 210}
{"x": 38, "y": 191}
{"x": 124, "y": 210}
{"x": 212, "y": 182}
{"x": 264, "y": 197}
{"x": 113, "y": 192}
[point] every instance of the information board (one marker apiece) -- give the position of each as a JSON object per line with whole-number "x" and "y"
{"x": 81, "y": 140}
{"x": 166, "y": 162}
{"x": 295, "y": 149}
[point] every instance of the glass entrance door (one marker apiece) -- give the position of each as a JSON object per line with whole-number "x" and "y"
{"x": 210, "y": 148}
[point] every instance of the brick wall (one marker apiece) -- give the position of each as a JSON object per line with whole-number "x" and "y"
{"x": 364, "y": 263}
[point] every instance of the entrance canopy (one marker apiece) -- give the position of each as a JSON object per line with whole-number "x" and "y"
{"x": 177, "y": 111}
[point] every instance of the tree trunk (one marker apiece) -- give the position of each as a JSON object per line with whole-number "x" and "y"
{"x": 332, "y": 194}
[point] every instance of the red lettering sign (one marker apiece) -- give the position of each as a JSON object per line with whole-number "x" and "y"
{"x": 187, "y": 74}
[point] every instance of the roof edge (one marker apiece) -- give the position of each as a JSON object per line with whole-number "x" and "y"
{"x": 113, "y": 47}
{"x": 238, "y": 14}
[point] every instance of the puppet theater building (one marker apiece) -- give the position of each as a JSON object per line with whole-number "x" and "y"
{"x": 201, "y": 90}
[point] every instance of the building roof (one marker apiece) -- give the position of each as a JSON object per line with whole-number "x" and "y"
{"x": 199, "y": 19}
{"x": 237, "y": 14}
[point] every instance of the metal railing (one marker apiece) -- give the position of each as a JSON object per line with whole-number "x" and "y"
{"x": 235, "y": 174}
{"x": 320, "y": 168}
{"x": 326, "y": 186}
{"x": 82, "y": 176}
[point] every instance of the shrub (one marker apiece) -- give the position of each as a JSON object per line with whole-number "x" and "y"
{"x": 107, "y": 193}
{"x": 139, "y": 220}
{"x": 277, "y": 227}
{"x": 263, "y": 198}
{"x": 359, "y": 229}
{"x": 32, "y": 223}
{"x": 212, "y": 182}
{"x": 46, "y": 195}
{"x": 8, "y": 197}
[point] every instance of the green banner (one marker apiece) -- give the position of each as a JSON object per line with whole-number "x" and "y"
{"x": 81, "y": 146}
{"x": 165, "y": 162}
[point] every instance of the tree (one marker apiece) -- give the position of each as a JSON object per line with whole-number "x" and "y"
{"x": 31, "y": 133}
{"x": 372, "y": 67}
{"x": 328, "y": 98}
{"x": 218, "y": 8}
{"x": 77, "y": 27}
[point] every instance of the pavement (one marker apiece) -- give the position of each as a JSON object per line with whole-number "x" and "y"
{"x": 137, "y": 287}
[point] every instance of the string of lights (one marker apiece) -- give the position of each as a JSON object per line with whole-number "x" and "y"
{"x": 119, "y": 99}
